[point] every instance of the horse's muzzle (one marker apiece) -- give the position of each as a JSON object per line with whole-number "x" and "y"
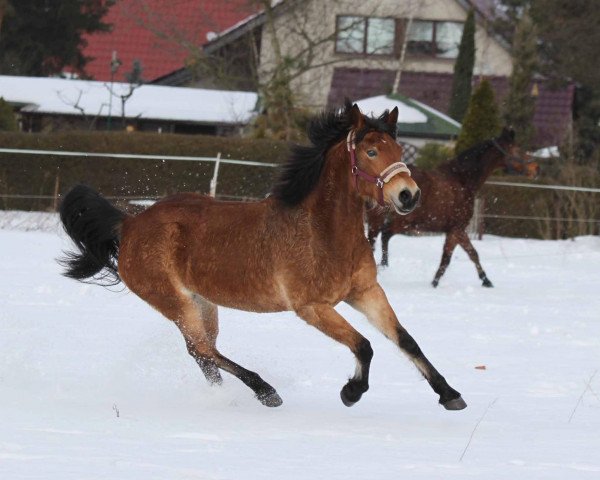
{"x": 407, "y": 201}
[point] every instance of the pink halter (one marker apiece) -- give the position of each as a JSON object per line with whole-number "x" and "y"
{"x": 384, "y": 177}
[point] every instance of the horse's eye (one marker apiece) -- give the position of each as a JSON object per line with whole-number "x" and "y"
{"x": 371, "y": 153}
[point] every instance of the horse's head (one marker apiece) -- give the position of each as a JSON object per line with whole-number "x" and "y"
{"x": 376, "y": 161}
{"x": 515, "y": 161}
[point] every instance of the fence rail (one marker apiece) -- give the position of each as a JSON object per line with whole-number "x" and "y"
{"x": 547, "y": 187}
{"x": 216, "y": 160}
{"x": 61, "y": 153}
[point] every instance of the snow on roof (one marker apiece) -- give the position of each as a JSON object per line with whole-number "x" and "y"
{"x": 74, "y": 97}
{"x": 547, "y": 152}
{"x": 377, "y": 105}
{"x": 437, "y": 113}
{"x": 415, "y": 119}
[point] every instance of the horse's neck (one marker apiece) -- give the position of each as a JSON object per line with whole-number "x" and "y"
{"x": 474, "y": 178}
{"x": 334, "y": 205}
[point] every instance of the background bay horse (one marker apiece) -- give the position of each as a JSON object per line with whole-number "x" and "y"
{"x": 301, "y": 249}
{"x": 448, "y": 199}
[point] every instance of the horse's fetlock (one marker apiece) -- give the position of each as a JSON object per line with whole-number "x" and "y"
{"x": 365, "y": 351}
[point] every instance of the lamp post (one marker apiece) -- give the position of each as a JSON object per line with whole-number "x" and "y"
{"x": 115, "y": 63}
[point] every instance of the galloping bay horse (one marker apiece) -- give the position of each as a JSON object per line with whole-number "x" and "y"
{"x": 301, "y": 249}
{"x": 449, "y": 196}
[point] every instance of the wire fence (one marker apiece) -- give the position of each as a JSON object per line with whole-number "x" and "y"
{"x": 475, "y": 228}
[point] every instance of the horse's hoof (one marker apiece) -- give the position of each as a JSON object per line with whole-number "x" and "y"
{"x": 455, "y": 404}
{"x": 435, "y": 283}
{"x": 487, "y": 283}
{"x": 351, "y": 393}
{"x": 345, "y": 400}
{"x": 270, "y": 399}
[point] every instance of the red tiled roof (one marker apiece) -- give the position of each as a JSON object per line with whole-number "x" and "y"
{"x": 134, "y": 37}
{"x": 553, "y": 110}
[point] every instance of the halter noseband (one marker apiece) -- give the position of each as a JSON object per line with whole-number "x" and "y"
{"x": 380, "y": 180}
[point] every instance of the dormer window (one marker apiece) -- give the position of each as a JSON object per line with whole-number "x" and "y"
{"x": 365, "y": 35}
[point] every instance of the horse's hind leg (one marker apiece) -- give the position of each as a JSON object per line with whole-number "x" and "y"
{"x": 465, "y": 243}
{"x": 196, "y": 319}
{"x": 265, "y": 393}
{"x": 373, "y": 303}
{"x": 331, "y": 323}
{"x": 201, "y": 341}
{"x": 449, "y": 246}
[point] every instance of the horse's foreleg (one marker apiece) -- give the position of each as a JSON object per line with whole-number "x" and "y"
{"x": 449, "y": 246}
{"x": 465, "y": 243}
{"x": 373, "y": 303}
{"x": 372, "y": 233}
{"x": 386, "y": 234}
{"x": 332, "y": 324}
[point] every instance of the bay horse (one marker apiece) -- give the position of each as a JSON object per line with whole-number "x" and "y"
{"x": 301, "y": 249}
{"x": 448, "y": 199}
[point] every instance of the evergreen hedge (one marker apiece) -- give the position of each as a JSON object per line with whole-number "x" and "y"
{"x": 37, "y": 175}
{"x": 482, "y": 119}
{"x": 8, "y": 122}
{"x": 463, "y": 71}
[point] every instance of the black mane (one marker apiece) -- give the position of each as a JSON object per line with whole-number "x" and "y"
{"x": 468, "y": 162}
{"x": 299, "y": 176}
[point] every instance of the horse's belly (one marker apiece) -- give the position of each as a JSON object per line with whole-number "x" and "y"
{"x": 248, "y": 303}
{"x": 272, "y": 293}
{"x": 252, "y": 293}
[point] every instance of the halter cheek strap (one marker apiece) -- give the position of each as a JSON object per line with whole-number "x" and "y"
{"x": 380, "y": 180}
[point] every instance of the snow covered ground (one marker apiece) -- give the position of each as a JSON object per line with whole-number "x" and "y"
{"x": 96, "y": 385}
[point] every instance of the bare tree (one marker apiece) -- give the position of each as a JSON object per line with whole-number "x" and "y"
{"x": 282, "y": 53}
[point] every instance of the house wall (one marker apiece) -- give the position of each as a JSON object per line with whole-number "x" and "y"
{"x": 316, "y": 20}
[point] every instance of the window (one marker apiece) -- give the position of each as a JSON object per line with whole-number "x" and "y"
{"x": 439, "y": 39}
{"x": 370, "y": 35}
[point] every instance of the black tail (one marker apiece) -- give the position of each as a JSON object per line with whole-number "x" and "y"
{"x": 93, "y": 224}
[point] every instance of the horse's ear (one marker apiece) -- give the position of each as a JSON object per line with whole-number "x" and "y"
{"x": 508, "y": 134}
{"x": 356, "y": 117}
{"x": 392, "y": 117}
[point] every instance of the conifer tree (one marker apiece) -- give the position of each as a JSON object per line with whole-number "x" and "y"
{"x": 481, "y": 121}
{"x": 520, "y": 102}
{"x": 8, "y": 122}
{"x": 463, "y": 71}
{"x": 40, "y": 38}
